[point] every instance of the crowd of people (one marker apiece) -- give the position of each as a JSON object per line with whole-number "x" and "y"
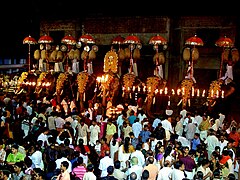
{"x": 44, "y": 139}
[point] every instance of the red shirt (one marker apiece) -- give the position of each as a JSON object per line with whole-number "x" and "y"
{"x": 234, "y": 136}
{"x": 104, "y": 148}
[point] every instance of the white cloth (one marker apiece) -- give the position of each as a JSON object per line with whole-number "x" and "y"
{"x": 59, "y": 161}
{"x": 165, "y": 173}
{"x": 155, "y": 123}
{"x": 137, "y": 169}
{"x": 177, "y": 174}
{"x": 140, "y": 156}
{"x": 59, "y": 122}
{"x": 44, "y": 138}
{"x": 90, "y": 68}
{"x": 123, "y": 157}
{"x": 158, "y": 71}
{"x": 136, "y": 128}
{"x": 205, "y": 171}
{"x": 75, "y": 66}
{"x": 211, "y": 141}
{"x": 167, "y": 125}
{"x": 113, "y": 148}
{"x": 119, "y": 124}
{"x": 104, "y": 163}
{"x": 179, "y": 128}
{"x": 183, "y": 113}
{"x": 37, "y": 161}
{"x": 89, "y": 176}
{"x": 51, "y": 122}
{"x": 94, "y": 134}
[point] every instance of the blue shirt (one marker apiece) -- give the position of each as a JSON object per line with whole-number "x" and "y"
{"x": 131, "y": 119}
{"x": 195, "y": 142}
{"x": 145, "y": 135}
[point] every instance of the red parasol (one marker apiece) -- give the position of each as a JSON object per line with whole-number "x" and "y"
{"x": 131, "y": 40}
{"x": 45, "y": 39}
{"x": 158, "y": 40}
{"x": 29, "y": 40}
{"x": 118, "y": 40}
{"x": 195, "y": 41}
{"x": 86, "y": 38}
{"x": 224, "y": 42}
{"x": 68, "y": 39}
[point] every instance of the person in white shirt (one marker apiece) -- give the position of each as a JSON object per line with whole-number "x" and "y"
{"x": 155, "y": 122}
{"x": 51, "y": 121}
{"x": 82, "y": 132}
{"x": 141, "y": 115}
{"x": 183, "y": 112}
{"x": 44, "y": 137}
{"x": 207, "y": 173}
{"x": 59, "y": 121}
{"x": 63, "y": 156}
{"x": 138, "y": 153}
{"x": 136, "y": 128}
{"x": 211, "y": 142}
{"x": 94, "y": 130}
{"x": 222, "y": 143}
{"x": 118, "y": 173}
{"x": 89, "y": 175}
{"x": 64, "y": 104}
{"x": 179, "y": 126}
{"x": 104, "y": 163}
{"x": 166, "y": 172}
{"x": 120, "y": 119}
{"x": 166, "y": 124}
{"x": 197, "y": 120}
{"x": 178, "y": 171}
{"x": 36, "y": 157}
{"x": 135, "y": 168}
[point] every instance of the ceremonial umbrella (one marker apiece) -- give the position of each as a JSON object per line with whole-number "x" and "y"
{"x": 69, "y": 40}
{"x": 193, "y": 41}
{"x": 29, "y": 40}
{"x": 223, "y": 42}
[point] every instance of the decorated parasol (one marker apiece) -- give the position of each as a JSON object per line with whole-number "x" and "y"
{"x": 194, "y": 41}
{"x": 158, "y": 58}
{"x": 45, "y": 39}
{"x": 225, "y": 43}
{"x": 118, "y": 40}
{"x": 87, "y": 39}
{"x": 69, "y": 40}
{"x": 88, "y": 54}
{"x": 193, "y": 53}
{"x": 131, "y": 39}
{"x": 29, "y": 40}
{"x": 134, "y": 44}
{"x": 157, "y": 40}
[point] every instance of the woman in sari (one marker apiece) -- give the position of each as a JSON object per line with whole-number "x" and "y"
{"x": 124, "y": 152}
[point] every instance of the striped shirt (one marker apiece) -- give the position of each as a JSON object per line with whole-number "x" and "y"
{"x": 79, "y": 171}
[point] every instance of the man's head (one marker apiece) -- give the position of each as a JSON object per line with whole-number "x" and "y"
{"x": 64, "y": 165}
{"x": 134, "y": 160}
{"x": 107, "y": 153}
{"x": 133, "y": 176}
{"x": 110, "y": 170}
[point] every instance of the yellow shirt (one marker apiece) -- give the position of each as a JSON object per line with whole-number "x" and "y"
{"x": 111, "y": 129}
